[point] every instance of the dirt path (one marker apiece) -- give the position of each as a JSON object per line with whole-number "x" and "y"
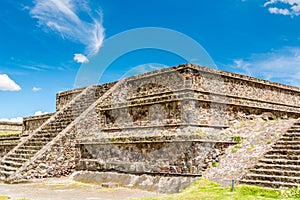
{"x": 65, "y": 189}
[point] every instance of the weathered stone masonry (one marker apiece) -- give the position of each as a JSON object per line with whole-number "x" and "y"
{"x": 175, "y": 102}
{"x": 10, "y": 127}
{"x": 162, "y": 122}
{"x": 30, "y": 124}
{"x": 11, "y": 137}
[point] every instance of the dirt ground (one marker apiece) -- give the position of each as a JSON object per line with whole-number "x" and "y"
{"x": 66, "y": 189}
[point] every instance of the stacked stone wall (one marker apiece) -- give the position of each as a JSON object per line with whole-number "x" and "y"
{"x": 195, "y": 95}
{"x": 11, "y": 137}
{"x": 178, "y": 157}
{"x": 8, "y": 142}
{"x": 30, "y": 124}
{"x": 10, "y": 127}
{"x": 175, "y": 102}
{"x": 62, "y": 98}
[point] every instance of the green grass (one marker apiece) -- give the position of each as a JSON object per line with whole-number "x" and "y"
{"x": 206, "y": 190}
{"x": 6, "y": 198}
{"x": 10, "y": 133}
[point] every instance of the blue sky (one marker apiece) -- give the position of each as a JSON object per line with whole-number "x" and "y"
{"x": 45, "y": 42}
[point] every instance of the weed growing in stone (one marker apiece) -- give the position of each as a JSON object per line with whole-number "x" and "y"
{"x": 215, "y": 164}
{"x": 235, "y": 148}
{"x": 237, "y": 139}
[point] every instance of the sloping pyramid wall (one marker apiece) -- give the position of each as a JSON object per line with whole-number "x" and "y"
{"x": 50, "y": 151}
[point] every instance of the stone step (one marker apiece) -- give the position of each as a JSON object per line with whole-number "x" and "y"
{"x": 36, "y": 143}
{"x": 39, "y": 140}
{"x": 286, "y": 146}
{"x": 288, "y": 142}
{"x": 19, "y": 160}
{"x": 288, "y": 157}
{"x": 273, "y": 178}
{"x": 267, "y": 183}
{"x": 30, "y": 147}
{"x": 8, "y": 168}
{"x": 46, "y": 135}
{"x": 294, "y": 133}
{"x": 6, "y": 173}
{"x": 295, "y": 126}
{"x": 288, "y": 139}
{"x": 19, "y": 155}
{"x": 26, "y": 151}
{"x": 11, "y": 163}
{"x": 283, "y": 152}
{"x": 277, "y": 167}
{"x": 275, "y": 172}
{"x": 293, "y": 130}
{"x": 280, "y": 161}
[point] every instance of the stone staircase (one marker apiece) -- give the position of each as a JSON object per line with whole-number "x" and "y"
{"x": 31, "y": 145}
{"x": 280, "y": 167}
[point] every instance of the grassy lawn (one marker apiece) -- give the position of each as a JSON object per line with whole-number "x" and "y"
{"x": 10, "y": 133}
{"x": 203, "y": 189}
{"x": 6, "y": 197}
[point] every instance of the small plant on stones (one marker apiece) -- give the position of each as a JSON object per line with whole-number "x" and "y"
{"x": 199, "y": 133}
{"x": 215, "y": 164}
{"x": 237, "y": 139}
{"x": 252, "y": 147}
{"x": 235, "y": 148}
{"x": 267, "y": 141}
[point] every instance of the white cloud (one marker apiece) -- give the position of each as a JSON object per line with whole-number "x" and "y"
{"x": 281, "y": 11}
{"x": 279, "y": 65}
{"x": 72, "y": 19}
{"x": 7, "y": 84}
{"x": 36, "y": 89}
{"x": 283, "y": 7}
{"x": 40, "y": 113}
{"x": 80, "y": 58}
{"x": 16, "y": 119}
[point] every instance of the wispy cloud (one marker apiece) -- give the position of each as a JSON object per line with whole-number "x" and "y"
{"x": 71, "y": 19}
{"x": 279, "y": 65}
{"x": 80, "y": 58}
{"x": 283, "y": 7}
{"x": 36, "y": 89}
{"x": 7, "y": 84}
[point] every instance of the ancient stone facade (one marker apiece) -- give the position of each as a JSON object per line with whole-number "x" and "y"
{"x": 163, "y": 122}
{"x": 174, "y": 156}
{"x": 62, "y": 98}
{"x": 175, "y": 103}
